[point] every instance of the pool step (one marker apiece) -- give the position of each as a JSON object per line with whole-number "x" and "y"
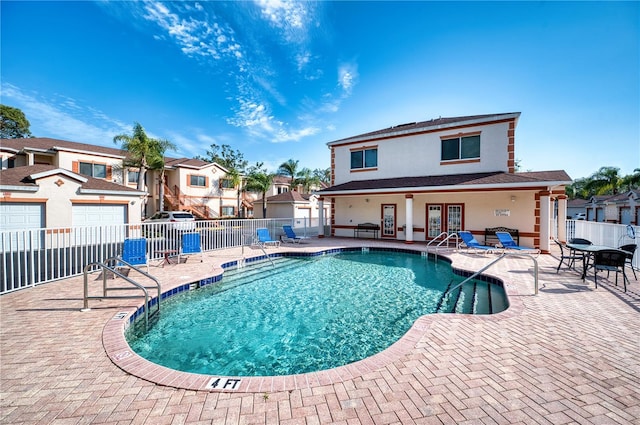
{"x": 474, "y": 297}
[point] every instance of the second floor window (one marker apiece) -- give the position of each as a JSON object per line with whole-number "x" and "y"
{"x": 132, "y": 176}
{"x": 465, "y": 147}
{"x": 197, "y": 181}
{"x": 226, "y": 184}
{"x": 364, "y": 158}
{"x": 93, "y": 170}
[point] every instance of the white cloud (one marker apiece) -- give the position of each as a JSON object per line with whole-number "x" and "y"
{"x": 347, "y": 77}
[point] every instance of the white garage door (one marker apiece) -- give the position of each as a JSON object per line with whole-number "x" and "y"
{"x": 17, "y": 217}
{"x": 98, "y": 215}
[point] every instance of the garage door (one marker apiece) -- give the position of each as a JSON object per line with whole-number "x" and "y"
{"x": 18, "y": 217}
{"x": 98, "y": 215}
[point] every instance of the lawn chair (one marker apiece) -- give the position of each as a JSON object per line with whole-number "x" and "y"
{"x": 190, "y": 245}
{"x": 507, "y": 242}
{"x": 264, "y": 238}
{"x": 569, "y": 257}
{"x": 611, "y": 260}
{"x": 134, "y": 252}
{"x": 291, "y": 236}
{"x": 472, "y": 243}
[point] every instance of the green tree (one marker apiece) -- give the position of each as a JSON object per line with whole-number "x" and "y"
{"x": 306, "y": 178}
{"x": 225, "y": 156}
{"x": 237, "y": 180}
{"x": 145, "y": 153}
{"x": 605, "y": 181}
{"x": 259, "y": 180}
{"x": 289, "y": 168}
{"x": 13, "y": 123}
{"x": 323, "y": 175}
{"x": 632, "y": 181}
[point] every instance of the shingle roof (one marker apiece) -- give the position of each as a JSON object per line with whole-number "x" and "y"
{"x": 492, "y": 178}
{"x": 291, "y": 196}
{"x": 45, "y": 143}
{"x": 20, "y": 176}
{"x": 433, "y": 124}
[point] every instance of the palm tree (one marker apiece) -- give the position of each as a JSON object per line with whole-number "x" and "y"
{"x": 145, "y": 153}
{"x": 235, "y": 177}
{"x": 605, "y": 181}
{"x": 289, "y": 168}
{"x": 307, "y": 179}
{"x": 260, "y": 181}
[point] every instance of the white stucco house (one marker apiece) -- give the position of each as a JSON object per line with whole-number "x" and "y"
{"x": 419, "y": 180}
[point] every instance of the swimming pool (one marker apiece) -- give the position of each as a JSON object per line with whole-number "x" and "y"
{"x": 303, "y": 315}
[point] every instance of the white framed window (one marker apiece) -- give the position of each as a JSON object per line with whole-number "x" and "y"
{"x": 93, "y": 170}
{"x": 132, "y": 176}
{"x": 364, "y": 158}
{"x": 195, "y": 180}
{"x": 227, "y": 211}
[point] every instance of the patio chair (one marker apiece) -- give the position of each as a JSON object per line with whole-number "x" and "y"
{"x": 507, "y": 242}
{"x": 134, "y": 252}
{"x": 631, "y": 250}
{"x": 610, "y": 260}
{"x": 264, "y": 238}
{"x": 471, "y": 242}
{"x": 291, "y": 236}
{"x": 568, "y": 257}
{"x": 578, "y": 241}
{"x": 190, "y": 245}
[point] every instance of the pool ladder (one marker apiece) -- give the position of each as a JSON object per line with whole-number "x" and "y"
{"x": 105, "y": 268}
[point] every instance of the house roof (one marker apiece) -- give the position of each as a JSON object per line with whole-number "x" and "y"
{"x": 497, "y": 179}
{"x": 26, "y": 177}
{"x": 291, "y": 196}
{"x": 431, "y": 125}
{"x": 48, "y": 145}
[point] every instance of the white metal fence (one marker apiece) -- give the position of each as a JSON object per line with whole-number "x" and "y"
{"x": 607, "y": 234}
{"x": 32, "y": 257}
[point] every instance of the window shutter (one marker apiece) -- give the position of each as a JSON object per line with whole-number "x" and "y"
{"x": 206, "y": 181}
{"x": 189, "y": 180}
{"x": 109, "y": 172}
{"x": 75, "y": 166}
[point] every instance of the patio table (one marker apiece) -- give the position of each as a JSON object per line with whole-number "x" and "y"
{"x": 589, "y": 250}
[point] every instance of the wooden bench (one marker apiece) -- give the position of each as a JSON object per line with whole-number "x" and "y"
{"x": 491, "y": 239}
{"x": 366, "y": 228}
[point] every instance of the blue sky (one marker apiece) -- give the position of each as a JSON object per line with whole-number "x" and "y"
{"x": 278, "y": 80}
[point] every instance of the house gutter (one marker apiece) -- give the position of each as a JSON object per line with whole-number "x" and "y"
{"x": 9, "y": 188}
{"x": 457, "y": 188}
{"x": 110, "y": 192}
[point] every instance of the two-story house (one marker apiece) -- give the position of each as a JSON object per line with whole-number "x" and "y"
{"x": 421, "y": 179}
{"x": 58, "y": 183}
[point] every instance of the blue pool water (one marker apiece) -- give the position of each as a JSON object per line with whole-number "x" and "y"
{"x": 306, "y": 314}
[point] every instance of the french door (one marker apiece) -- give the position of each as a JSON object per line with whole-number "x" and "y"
{"x": 388, "y": 220}
{"x": 444, "y": 218}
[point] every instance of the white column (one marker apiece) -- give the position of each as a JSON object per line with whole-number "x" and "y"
{"x": 408, "y": 219}
{"x": 321, "y": 217}
{"x": 562, "y": 218}
{"x": 545, "y": 220}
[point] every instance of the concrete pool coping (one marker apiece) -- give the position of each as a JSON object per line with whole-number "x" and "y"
{"x": 569, "y": 355}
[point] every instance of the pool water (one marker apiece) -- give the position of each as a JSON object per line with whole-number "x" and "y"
{"x": 306, "y": 314}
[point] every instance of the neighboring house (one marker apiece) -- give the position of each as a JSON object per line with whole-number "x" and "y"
{"x": 41, "y": 195}
{"x": 190, "y": 184}
{"x": 421, "y": 179}
{"x": 303, "y": 207}
{"x": 576, "y": 206}
{"x": 622, "y": 208}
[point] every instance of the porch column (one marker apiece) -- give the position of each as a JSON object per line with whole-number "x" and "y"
{"x": 321, "y": 217}
{"x": 562, "y": 218}
{"x": 545, "y": 220}
{"x": 408, "y": 234}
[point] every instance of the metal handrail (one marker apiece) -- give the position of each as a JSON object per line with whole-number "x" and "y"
{"x": 105, "y": 267}
{"x": 503, "y": 255}
{"x": 259, "y": 245}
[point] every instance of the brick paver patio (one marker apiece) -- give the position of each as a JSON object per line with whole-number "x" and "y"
{"x": 569, "y": 355}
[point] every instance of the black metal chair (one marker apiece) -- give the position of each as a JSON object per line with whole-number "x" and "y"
{"x": 610, "y": 260}
{"x": 568, "y": 257}
{"x": 631, "y": 250}
{"x": 578, "y": 241}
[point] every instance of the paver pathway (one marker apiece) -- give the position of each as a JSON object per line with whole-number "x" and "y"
{"x": 570, "y": 355}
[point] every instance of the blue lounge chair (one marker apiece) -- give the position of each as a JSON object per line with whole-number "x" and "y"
{"x": 264, "y": 238}
{"x": 507, "y": 242}
{"x": 291, "y": 236}
{"x": 190, "y": 245}
{"x": 472, "y": 243}
{"x": 134, "y": 252}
